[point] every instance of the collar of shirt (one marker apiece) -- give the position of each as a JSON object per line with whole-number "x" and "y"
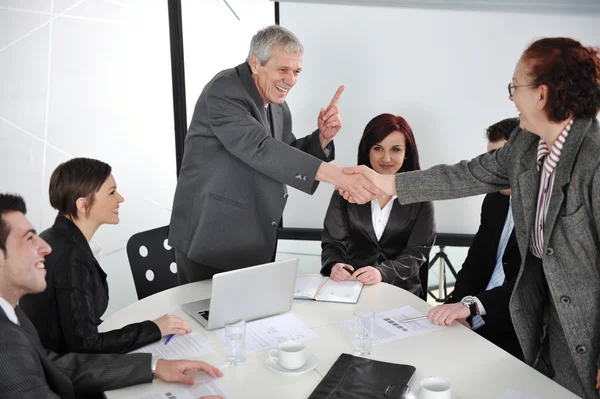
{"x": 554, "y": 155}
{"x": 9, "y": 310}
{"x": 380, "y": 216}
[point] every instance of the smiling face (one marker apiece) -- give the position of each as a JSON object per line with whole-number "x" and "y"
{"x": 387, "y": 156}
{"x": 276, "y": 78}
{"x": 529, "y": 100}
{"x": 105, "y": 209}
{"x": 22, "y": 265}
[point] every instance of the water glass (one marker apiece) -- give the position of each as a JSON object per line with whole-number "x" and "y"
{"x": 235, "y": 338}
{"x": 364, "y": 321}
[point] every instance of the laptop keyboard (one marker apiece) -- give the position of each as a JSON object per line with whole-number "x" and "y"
{"x": 204, "y": 314}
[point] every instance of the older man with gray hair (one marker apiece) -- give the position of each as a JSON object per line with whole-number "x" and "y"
{"x": 240, "y": 154}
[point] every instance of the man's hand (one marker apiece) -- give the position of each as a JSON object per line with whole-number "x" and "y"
{"x": 358, "y": 189}
{"x": 329, "y": 120}
{"x": 386, "y": 183}
{"x": 341, "y": 272}
{"x": 174, "y": 370}
{"x": 598, "y": 380}
{"x": 445, "y": 315}
{"x": 170, "y": 324}
{"x": 368, "y": 275}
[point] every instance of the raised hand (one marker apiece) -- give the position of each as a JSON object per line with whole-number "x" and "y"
{"x": 174, "y": 370}
{"x": 329, "y": 120}
{"x": 171, "y": 324}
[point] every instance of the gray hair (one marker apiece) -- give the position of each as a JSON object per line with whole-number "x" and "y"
{"x": 265, "y": 40}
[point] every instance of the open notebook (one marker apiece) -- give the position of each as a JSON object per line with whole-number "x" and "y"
{"x": 319, "y": 288}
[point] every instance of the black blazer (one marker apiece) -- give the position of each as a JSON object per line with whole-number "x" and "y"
{"x": 477, "y": 270}
{"x": 67, "y": 314}
{"x": 28, "y": 371}
{"x": 348, "y": 237}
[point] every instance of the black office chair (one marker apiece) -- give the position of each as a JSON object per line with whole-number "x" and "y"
{"x": 152, "y": 262}
{"x": 424, "y": 276}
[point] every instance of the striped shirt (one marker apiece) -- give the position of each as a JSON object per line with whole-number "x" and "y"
{"x": 546, "y": 162}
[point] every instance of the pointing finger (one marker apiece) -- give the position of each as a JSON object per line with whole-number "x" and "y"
{"x": 336, "y": 97}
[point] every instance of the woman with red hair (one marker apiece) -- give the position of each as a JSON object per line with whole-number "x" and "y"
{"x": 381, "y": 240}
{"x": 552, "y": 165}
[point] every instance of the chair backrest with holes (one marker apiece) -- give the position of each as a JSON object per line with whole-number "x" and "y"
{"x": 152, "y": 262}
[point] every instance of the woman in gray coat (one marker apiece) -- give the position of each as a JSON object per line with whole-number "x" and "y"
{"x": 552, "y": 165}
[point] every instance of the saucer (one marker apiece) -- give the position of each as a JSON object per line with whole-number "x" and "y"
{"x": 311, "y": 363}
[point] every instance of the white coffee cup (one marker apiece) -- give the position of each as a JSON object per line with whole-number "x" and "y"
{"x": 290, "y": 355}
{"x": 435, "y": 388}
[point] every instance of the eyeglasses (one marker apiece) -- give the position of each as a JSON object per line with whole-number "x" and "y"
{"x": 512, "y": 87}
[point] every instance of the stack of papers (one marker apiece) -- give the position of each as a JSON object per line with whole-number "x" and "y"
{"x": 389, "y": 326}
{"x": 179, "y": 347}
{"x": 270, "y": 332}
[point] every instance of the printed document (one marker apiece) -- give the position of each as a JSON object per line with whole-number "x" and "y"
{"x": 268, "y": 333}
{"x": 179, "y": 347}
{"x": 206, "y": 388}
{"x": 389, "y": 327}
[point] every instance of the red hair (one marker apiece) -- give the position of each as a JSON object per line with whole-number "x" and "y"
{"x": 572, "y": 74}
{"x": 378, "y": 129}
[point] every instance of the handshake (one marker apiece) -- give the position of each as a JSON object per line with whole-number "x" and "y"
{"x": 360, "y": 184}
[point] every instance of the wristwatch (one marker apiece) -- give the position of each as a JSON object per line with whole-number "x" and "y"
{"x": 471, "y": 303}
{"x": 153, "y": 363}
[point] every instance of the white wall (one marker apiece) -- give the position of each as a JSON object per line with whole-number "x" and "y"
{"x": 93, "y": 78}
{"x": 445, "y": 71}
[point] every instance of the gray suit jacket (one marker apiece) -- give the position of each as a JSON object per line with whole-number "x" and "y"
{"x": 231, "y": 190}
{"x": 571, "y": 263}
{"x": 28, "y": 371}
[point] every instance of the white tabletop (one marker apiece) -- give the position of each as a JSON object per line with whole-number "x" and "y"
{"x": 475, "y": 368}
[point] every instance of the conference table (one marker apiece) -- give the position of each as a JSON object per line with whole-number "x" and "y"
{"x": 476, "y": 368}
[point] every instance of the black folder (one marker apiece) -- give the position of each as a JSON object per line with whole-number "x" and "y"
{"x": 353, "y": 377}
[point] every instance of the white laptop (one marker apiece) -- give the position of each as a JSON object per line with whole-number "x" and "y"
{"x": 249, "y": 293}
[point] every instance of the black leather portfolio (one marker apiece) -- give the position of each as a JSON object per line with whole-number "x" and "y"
{"x": 353, "y": 377}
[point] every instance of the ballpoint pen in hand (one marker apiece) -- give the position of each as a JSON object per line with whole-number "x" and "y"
{"x": 169, "y": 338}
{"x": 413, "y": 319}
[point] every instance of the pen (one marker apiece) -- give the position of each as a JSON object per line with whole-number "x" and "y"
{"x": 347, "y": 269}
{"x": 413, "y": 319}
{"x": 168, "y": 339}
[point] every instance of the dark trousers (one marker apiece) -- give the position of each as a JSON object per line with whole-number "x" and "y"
{"x": 189, "y": 271}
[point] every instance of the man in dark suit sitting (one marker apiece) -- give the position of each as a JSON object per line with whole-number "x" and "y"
{"x": 487, "y": 277}
{"x": 27, "y": 370}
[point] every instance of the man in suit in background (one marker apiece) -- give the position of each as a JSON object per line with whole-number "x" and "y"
{"x": 240, "y": 153}
{"x": 27, "y": 370}
{"x": 486, "y": 280}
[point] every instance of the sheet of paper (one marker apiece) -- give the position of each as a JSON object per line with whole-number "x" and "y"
{"x": 270, "y": 332}
{"x": 340, "y": 290}
{"x": 307, "y": 285}
{"x": 514, "y": 394}
{"x": 388, "y": 327}
{"x": 179, "y": 347}
{"x": 206, "y": 388}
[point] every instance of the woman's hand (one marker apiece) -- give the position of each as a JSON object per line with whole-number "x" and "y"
{"x": 171, "y": 324}
{"x": 368, "y": 275}
{"x": 341, "y": 272}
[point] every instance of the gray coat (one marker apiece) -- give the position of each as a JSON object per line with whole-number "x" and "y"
{"x": 232, "y": 190}
{"x": 571, "y": 261}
